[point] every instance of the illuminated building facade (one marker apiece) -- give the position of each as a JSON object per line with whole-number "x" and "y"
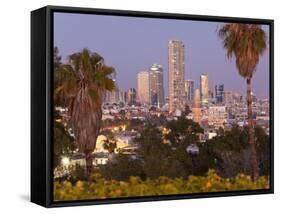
{"x": 204, "y": 88}
{"x": 196, "y": 109}
{"x": 143, "y": 89}
{"x": 156, "y": 85}
{"x": 176, "y": 75}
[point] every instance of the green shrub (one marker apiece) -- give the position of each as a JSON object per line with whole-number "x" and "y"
{"x": 101, "y": 188}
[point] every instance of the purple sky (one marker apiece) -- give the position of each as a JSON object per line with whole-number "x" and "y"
{"x": 132, "y": 44}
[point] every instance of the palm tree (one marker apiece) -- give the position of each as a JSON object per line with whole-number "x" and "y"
{"x": 247, "y": 42}
{"x": 80, "y": 84}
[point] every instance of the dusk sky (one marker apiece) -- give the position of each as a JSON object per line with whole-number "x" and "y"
{"x": 132, "y": 44}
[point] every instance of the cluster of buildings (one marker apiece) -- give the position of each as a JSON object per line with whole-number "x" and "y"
{"x": 210, "y": 107}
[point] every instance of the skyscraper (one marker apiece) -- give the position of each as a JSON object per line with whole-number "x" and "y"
{"x": 196, "y": 108}
{"x": 112, "y": 96}
{"x": 176, "y": 75}
{"x": 156, "y": 85}
{"x": 204, "y": 88}
{"x": 132, "y": 96}
{"x": 143, "y": 87}
{"x": 189, "y": 90}
{"x": 219, "y": 93}
{"x": 196, "y": 99}
{"x": 123, "y": 96}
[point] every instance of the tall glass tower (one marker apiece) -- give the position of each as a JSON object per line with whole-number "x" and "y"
{"x": 132, "y": 96}
{"x": 219, "y": 93}
{"x": 156, "y": 85}
{"x": 189, "y": 90}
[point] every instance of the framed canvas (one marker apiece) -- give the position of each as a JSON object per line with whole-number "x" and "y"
{"x": 131, "y": 106}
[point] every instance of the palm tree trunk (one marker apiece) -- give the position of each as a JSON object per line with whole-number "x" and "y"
{"x": 86, "y": 122}
{"x": 89, "y": 163}
{"x": 252, "y": 143}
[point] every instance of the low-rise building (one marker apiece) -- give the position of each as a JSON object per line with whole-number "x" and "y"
{"x": 217, "y": 116}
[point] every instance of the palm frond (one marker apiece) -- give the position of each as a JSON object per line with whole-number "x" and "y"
{"x": 246, "y": 42}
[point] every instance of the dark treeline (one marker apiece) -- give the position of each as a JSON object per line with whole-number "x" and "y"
{"x": 228, "y": 153}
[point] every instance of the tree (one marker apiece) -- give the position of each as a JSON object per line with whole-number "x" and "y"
{"x": 63, "y": 142}
{"x": 231, "y": 151}
{"x": 57, "y": 58}
{"x": 247, "y": 42}
{"x": 110, "y": 144}
{"x": 186, "y": 111}
{"x": 183, "y": 130}
{"x": 81, "y": 83}
{"x": 57, "y": 78}
{"x": 171, "y": 160}
{"x": 122, "y": 168}
{"x": 134, "y": 124}
{"x": 183, "y": 133}
{"x": 122, "y": 112}
{"x": 155, "y": 155}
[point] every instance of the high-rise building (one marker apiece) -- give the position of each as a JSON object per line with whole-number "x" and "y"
{"x": 219, "y": 93}
{"x": 196, "y": 99}
{"x": 156, "y": 85}
{"x": 123, "y": 97}
{"x": 132, "y": 96}
{"x": 112, "y": 96}
{"x": 210, "y": 94}
{"x": 204, "y": 88}
{"x": 176, "y": 75}
{"x": 189, "y": 90}
{"x": 196, "y": 108}
{"x": 143, "y": 87}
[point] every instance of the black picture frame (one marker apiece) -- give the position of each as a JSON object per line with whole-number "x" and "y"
{"x": 42, "y": 103}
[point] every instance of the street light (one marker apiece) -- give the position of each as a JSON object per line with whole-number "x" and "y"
{"x": 65, "y": 161}
{"x": 192, "y": 150}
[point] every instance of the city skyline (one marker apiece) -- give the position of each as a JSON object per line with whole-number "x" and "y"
{"x": 203, "y": 49}
{"x": 142, "y": 99}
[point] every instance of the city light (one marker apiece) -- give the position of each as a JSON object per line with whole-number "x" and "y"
{"x": 58, "y": 120}
{"x": 65, "y": 161}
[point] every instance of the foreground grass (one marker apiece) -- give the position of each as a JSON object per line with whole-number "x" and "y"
{"x": 102, "y": 189}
